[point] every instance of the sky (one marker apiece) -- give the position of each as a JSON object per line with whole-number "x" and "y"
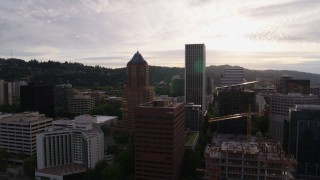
{"x": 255, "y": 34}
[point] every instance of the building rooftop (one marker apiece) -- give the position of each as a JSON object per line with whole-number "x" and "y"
{"x": 97, "y": 119}
{"x": 23, "y": 118}
{"x": 137, "y": 59}
{"x": 289, "y": 95}
{"x": 307, "y": 106}
{"x": 63, "y": 170}
{"x": 86, "y": 127}
{"x": 162, "y": 102}
{"x": 264, "y": 149}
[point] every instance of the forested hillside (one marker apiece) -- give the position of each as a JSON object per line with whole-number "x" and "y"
{"x": 77, "y": 74}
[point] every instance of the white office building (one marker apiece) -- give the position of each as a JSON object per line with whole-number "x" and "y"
{"x": 18, "y": 131}
{"x": 68, "y": 145}
{"x": 232, "y": 76}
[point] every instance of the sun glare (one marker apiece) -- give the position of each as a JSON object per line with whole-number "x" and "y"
{"x": 233, "y": 34}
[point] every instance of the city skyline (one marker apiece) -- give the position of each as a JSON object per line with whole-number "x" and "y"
{"x": 252, "y": 34}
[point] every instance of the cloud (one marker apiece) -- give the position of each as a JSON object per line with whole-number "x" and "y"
{"x": 108, "y": 32}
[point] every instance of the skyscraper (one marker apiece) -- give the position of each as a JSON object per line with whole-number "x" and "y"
{"x": 192, "y": 117}
{"x": 159, "y": 139}
{"x": 195, "y": 73}
{"x": 303, "y": 139}
{"x": 136, "y": 91}
{"x": 37, "y": 98}
{"x": 5, "y": 93}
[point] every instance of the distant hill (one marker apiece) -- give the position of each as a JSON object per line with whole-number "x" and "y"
{"x": 77, "y": 74}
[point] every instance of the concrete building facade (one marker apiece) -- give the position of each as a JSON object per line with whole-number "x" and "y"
{"x": 315, "y": 90}
{"x": 159, "y": 139}
{"x": 279, "y": 110}
{"x": 69, "y": 142}
{"x": 80, "y": 104}
{"x": 232, "y": 76}
{"x": 195, "y": 74}
{"x": 18, "y": 131}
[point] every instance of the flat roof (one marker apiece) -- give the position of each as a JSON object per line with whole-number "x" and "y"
{"x": 102, "y": 119}
{"x": 63, "y": 170}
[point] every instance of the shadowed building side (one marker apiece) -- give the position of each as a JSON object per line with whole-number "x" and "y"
{"x": 136, "y": 91}
{"x": 195, "y": 73}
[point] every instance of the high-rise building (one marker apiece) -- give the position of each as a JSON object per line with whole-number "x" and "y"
{"x": 195, "y": 74}
{"x": 70, "y": 146}
{"x": 37, "y": 98}
{"x": 159, "y": 139}
{"x": 279, "y": 110}
{"x": 193, "y": 116}
{"x": 16, "y": 87}
{"x": 304, "y": 139}
{"x": 136, "y": 91}
{"x": 18, "y": 131}
{"x": 210, "y": 85}
{"x": 62, "y": 94}
{"x": 5, "y": 93}
{"x": 232, "y": 76}
{"x": 233, "y": 102}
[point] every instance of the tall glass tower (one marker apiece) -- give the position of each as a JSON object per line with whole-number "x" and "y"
{"x": 195, "y": 73}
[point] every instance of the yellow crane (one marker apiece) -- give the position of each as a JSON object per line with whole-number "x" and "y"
{"x": 235, "y": 116}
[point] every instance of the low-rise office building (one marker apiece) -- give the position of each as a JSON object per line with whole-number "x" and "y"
{"x": 81, "y": 104}
{"x": 18, "y": 131}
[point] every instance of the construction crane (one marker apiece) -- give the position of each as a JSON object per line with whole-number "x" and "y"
{"x": 235, "y": 116}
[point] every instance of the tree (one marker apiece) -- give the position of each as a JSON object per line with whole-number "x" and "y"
{"x": 192, "y": 161}
{"x": 30, "y": 165}
{"x": 113, "y": 149}
{"x": 126, "y": 159}
{"x": 113, "y": 172}
{"x": 3, "y": 159}
{"x": 260, "y": 124}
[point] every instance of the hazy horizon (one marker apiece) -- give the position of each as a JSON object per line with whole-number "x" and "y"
{"x": 274, "y": 34}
